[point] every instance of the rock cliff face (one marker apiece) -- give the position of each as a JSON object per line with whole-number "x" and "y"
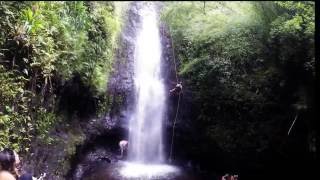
{"x": 102, "y": 139}
{"x": 185, "y": 131}
{"x": 89, "y": 140}
{"x": 121, "y": 83}
{"x": 104, "y": 145}
{"x": 102, "y": 142}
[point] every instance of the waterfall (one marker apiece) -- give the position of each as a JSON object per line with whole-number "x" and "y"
{"x": 145, "y": 127}
{"x": 145, "y": 151}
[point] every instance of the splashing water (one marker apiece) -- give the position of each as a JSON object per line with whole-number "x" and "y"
{"x": 148, "y": 171}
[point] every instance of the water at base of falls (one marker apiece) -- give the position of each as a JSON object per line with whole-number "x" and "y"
{"x": 135, "y": 171}
{"x": 148, "y": 171}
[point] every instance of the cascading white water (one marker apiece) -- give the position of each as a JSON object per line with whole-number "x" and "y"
{"x": 145, "y": 128}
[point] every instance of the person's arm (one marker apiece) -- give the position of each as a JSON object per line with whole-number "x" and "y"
{"x": 5, "y": 175}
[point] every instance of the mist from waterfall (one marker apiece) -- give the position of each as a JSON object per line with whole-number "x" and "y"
{"x": 145, "y": 127}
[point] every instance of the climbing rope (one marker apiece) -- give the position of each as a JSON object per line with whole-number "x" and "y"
{"x": 174, "y": 124}
{"x": 176, "y": 116}
{"x": 292, "y": 124}
{"x": 174, "y": 59}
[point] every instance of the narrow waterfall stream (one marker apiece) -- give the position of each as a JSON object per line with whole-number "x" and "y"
{"x": 145, "y": 129}
{"x": 145, "y": 152}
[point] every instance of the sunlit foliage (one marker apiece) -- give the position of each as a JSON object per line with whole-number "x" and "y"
{"x": 238, "y": 59}
{"x": 43, "y": 44}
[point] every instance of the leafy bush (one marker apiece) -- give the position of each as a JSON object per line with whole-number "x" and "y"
{"x": 240, "y": 60}
{"x": 43, "y": 45}
{"x": 15, "y": 121}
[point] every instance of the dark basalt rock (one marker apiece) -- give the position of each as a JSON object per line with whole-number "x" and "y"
{"x": 101, "y": 145}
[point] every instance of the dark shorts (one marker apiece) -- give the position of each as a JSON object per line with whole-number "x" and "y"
{"x": 26, "y": 177}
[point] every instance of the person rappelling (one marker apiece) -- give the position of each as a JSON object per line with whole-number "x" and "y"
{"x": 177, "y": 89}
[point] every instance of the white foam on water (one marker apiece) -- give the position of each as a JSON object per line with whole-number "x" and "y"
{"x": 139, "y": 170}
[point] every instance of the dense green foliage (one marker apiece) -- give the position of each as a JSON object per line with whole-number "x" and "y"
{"x": 248, "y": 70}
{"x": 43, "y": 45}
{"x": 249, "y": 67}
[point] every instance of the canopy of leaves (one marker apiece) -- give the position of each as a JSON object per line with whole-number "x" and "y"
{"x": 238, "y": 60}
{"x": 43, "y": 45}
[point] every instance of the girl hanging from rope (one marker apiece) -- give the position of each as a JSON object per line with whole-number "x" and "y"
{"x": 177, "y": 90}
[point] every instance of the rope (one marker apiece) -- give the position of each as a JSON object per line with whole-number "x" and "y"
{"x": 175, "y": 119}
{"x": 174, "y": 59}
{"x": 174, "y": 124}
{"x": 292, "y": 124}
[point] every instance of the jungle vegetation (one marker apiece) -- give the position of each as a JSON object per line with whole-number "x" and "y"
{"x": 248, "y": 69}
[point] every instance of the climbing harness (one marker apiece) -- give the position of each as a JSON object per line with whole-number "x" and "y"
{"x": 176, "y": 116}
